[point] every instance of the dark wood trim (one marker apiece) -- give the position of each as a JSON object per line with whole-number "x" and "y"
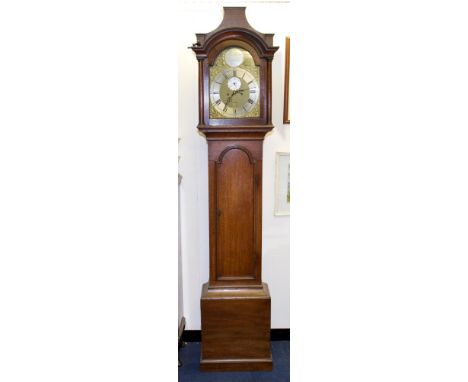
{"x": 275, "y": 335}
{"x": 235, "y": 134}
{"x": 286, "y": 83}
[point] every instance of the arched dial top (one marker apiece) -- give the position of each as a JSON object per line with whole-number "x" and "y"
{"x": 234, "y": 85}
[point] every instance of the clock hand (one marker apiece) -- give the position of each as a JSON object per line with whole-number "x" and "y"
{"x": 229, "y": 99}
{"x": 234, "y": 93}
{"x": 237, "y": 91}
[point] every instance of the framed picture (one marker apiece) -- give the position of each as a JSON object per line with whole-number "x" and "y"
{"x": 283, "y": 192}
{"x": 286, "y": 84}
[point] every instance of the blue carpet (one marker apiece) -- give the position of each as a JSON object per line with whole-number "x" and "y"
{"x": 190, "y": 369}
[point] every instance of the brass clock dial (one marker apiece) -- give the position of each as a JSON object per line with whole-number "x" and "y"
{"x": 234, "y": 85}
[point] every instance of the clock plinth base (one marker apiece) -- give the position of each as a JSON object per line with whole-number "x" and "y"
{"x": 237, "y": 365}
{"x": 236, "y": 329}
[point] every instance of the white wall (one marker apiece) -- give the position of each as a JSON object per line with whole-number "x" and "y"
{"x": 193, "y": 165}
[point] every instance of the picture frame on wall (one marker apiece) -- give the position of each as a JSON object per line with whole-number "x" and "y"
{"x": 282, "y": 189}
{"x": 286, "y": 83}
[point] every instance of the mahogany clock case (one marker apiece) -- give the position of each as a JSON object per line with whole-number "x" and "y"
{"x": 235, "y": 303}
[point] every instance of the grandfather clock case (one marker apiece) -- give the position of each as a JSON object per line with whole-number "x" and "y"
{"x": 234, "y": 66}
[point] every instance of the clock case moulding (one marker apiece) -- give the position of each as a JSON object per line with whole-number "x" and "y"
{"x": 235, "y": 303}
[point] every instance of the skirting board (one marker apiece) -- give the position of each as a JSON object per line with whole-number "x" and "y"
{"x": 275, "y": 335}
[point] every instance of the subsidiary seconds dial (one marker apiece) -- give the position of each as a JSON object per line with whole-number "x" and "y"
{"x": 234, "y": 93}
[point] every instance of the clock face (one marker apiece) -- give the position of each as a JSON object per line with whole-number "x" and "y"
{"x": 234, "y": 85}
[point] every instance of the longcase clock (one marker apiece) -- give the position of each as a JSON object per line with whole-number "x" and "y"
{"x": 234, "y": 115}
